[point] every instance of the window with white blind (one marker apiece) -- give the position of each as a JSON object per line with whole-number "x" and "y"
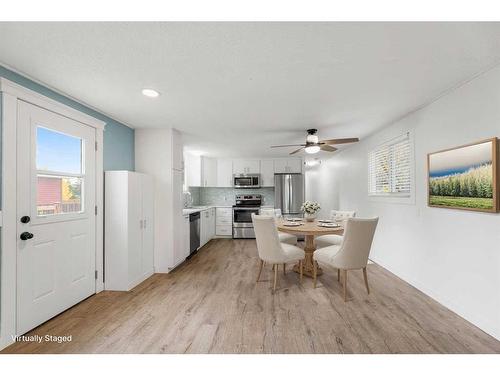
{"x": 390, "y": 168}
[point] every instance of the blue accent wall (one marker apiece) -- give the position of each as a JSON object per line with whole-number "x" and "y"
{"x": 118, "y": 148}
{"x": 118, "y": 151}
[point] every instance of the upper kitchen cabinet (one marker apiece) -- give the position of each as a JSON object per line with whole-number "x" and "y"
{"x": 208, "y": 172}
{"x": 246, "y": 166}
{"x": 200, "y": 170}
{"x": 288, "y": 165}
{"x": 224, "y": 173}
{"x": 192, "y": 170}
{"x": 267, "y": 172}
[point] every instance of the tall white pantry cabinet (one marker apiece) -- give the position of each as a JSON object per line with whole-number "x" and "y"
{"x": 129, "y": 229}
{"x": 158, "y": 152}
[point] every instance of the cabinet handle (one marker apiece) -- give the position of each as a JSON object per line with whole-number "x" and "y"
{"x": 140, "y": 224}
{"x": 144, "y": 224}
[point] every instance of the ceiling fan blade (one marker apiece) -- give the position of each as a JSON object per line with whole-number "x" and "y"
{"x": 339, "y": 141}
{"x": 294, "y": 152}
{"x": 287, "y": 146}
{"x": 328, "y": 148}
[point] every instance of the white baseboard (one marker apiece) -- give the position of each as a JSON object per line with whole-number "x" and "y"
{"x": 479, "y": 321}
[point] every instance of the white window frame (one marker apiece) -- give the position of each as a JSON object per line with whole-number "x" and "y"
{"x": 55, "y": 173}
{"x": 11, "y": 93}
{"x": 403, "y": 198}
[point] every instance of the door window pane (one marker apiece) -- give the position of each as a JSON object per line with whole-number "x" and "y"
{"x": 58, "y": 195}
{"x": 58, "y": 152}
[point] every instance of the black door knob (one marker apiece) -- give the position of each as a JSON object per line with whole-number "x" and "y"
{"x": 26, "y": 236}
{"x": 25, "y": 219}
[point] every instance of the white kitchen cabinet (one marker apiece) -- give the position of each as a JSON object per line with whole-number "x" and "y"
{"x": 148, "y": 214}
{"x": 224, "y": 230}
{"x": 224, "y": 221}
{"x": 155, "y": 152}
{"x": 186, "y": 245}
{"x": 178, "y": 254}
{"x": 192, "y": 169}
{"x": 267, "y": 172}
{"x": 246, "y": 166}
{"x": 212, "y": 223}
{"x": 224, "y": 173}
{"x": 207, "y": 225}
{"x": 208, "y": 172}
{"x": 200, "y": 170}
{"x": 288, "y": 165}
{"x": 129, "y": 233}
{"x": 204, "y": 227}
{"x": 280, "y": 166}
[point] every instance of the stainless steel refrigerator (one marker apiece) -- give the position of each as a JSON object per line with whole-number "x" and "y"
{"x": 289, "y": 193}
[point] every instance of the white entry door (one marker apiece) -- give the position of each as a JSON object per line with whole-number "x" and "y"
{"x": 56, "y": 214}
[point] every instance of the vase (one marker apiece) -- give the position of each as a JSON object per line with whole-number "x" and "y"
{"x": 309, "y": 217}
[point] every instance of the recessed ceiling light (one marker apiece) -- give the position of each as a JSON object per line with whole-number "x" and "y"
{"x": 150, "y": 93}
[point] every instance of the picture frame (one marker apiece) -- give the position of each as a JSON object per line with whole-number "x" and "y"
{"x": 464, "y": 177}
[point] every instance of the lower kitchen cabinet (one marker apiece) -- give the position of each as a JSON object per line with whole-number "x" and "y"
{"x": 207, "y": 225}
{"x": 224, "y": 221}
{"x": 212, "y": 223}
{"x": 224, "y": 230}
{"x": 186, "y": 243}
{"x": 204, "y": 227}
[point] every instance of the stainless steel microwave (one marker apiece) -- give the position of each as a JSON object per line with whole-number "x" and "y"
{"x": 248, "y": 181}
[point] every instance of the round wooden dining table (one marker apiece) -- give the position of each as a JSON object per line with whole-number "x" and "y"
{"x": 309, "y": 230}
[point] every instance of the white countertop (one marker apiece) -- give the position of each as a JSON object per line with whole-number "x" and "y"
{"x": 187, "y": 211}
{"x": 191, "y": 210}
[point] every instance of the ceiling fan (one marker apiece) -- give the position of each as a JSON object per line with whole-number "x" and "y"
{"x": 314, "y": 145}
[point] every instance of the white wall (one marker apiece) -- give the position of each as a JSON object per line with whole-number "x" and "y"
{"x": 153, "y": 155}
{"x": 451, "y": 255}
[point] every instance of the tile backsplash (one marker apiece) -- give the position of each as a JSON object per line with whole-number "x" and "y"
{"x": 213, "y": 196}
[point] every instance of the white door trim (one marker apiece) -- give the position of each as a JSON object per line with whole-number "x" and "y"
{"x": 10, "y": 94}
{"x": 42, "y": 101}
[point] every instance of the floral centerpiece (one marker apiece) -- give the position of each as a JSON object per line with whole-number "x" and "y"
{"x": 310, "y": 209}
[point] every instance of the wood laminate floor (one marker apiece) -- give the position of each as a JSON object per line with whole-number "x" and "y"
{"x": 211, "y": 304}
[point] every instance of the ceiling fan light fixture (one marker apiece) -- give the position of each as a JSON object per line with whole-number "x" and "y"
{"x": 312, "y": 138}
{"x": 312, "y": 149}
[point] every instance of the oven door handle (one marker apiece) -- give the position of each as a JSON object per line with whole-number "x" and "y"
{"x": 245, "y": 209}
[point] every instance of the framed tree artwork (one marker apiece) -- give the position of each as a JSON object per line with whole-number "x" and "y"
{"x": 464, "y": 177}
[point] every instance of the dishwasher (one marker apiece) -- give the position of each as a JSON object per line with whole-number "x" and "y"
{"x": 194, "y": 232}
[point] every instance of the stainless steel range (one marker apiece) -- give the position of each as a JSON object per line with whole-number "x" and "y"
{"x": 245, "y": 206}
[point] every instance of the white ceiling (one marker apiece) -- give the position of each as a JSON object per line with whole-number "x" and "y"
{"x": 237, "y": 88}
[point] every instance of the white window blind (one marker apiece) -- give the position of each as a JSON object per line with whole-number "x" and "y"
{"x": 390, "y": 168}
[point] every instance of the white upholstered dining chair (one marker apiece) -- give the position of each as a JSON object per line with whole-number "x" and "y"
{"x": 284, "y": 237}
{"x": 271, "y": 250}
{"x": 334, "y": 239}
{"x": 352, "y": 253}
